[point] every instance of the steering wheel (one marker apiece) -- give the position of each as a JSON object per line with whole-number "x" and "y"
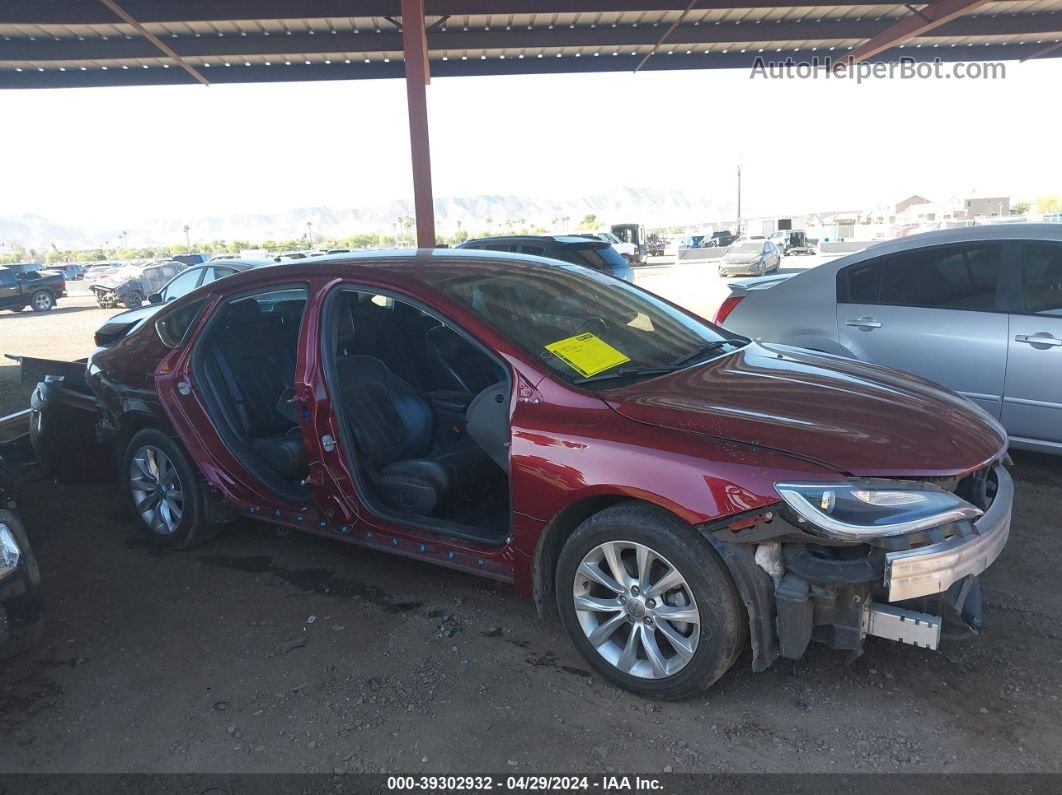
{"x": 592, "y": 323}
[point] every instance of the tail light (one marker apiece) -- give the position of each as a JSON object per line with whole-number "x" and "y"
{"x": 725, "y": 308}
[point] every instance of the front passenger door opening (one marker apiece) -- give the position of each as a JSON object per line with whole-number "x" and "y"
{"x": 423, "y": 413}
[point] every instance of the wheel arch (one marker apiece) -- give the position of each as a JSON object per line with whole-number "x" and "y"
{"x": 754, "y": 585}
{"x": 552, "y": 538}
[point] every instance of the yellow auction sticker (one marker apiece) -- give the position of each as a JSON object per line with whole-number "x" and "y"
{"x": 586, "y": 354}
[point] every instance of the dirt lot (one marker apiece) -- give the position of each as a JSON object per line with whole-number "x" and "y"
{"x": 263, "y": 652}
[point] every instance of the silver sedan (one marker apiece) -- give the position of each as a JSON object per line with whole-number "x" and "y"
{"x": 976, "y": 309}
{"x": 750, "y": 257}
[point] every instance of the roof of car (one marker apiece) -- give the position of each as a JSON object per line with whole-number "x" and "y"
{"x": 561, "y": 239}
{"x": 967, "y": 234}
{"x": 411, "y": 265}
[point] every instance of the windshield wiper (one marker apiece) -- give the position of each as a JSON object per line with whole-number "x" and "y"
{"x": 624, "y": 372}
{"x": 704, "y": 350}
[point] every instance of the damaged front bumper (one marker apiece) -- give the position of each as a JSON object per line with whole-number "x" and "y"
{"x": 934, "y": 568}
{"x": 917, "y": 590}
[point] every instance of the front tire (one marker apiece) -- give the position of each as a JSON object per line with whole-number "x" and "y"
{"x": 164, "y": 492}
{"x": 648, "y": 603}
{"x": 135, "y": 299}
{"x": 41, "y": 301}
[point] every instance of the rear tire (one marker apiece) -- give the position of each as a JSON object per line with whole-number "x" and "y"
{"x": 164, "y": 492}
{"x": 626, "y": 635}
{"x": 42, "y": 301}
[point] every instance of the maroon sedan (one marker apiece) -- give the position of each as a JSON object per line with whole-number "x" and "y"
{"x": 679, "y": 492}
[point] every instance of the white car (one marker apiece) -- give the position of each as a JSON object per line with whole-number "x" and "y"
{"x": 629, "y": 251}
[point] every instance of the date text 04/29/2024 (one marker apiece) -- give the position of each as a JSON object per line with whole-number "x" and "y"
{"x": 524, "y": 783}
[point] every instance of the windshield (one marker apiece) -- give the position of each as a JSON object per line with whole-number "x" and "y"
{"x": 752, "y": 247}
{"x": 582, "y": 324}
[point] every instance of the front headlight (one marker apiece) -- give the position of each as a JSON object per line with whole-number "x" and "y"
{"x": 9, "y": 551}
{"x": 859, "y": 509}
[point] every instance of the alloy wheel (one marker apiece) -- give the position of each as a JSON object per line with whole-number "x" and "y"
{"x": 156, "y": 488}
{"x": 636, "y": 609}
{"x": 42, "y": 302}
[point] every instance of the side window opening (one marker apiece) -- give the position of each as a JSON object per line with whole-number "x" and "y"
{"x": 247, "y": 361}
{"x": 425, "y": 412}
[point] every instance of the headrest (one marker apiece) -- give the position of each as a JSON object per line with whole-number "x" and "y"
{"x": 289, "y": 311}
{"x": 242, "y": 313}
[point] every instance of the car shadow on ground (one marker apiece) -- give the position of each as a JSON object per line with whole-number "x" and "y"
{"x": 58, "y": 309}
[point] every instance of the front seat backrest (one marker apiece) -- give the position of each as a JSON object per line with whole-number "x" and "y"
{"x": 487, "y": 422}
{"x": 389, "y": 420}
{"x": 460, "y": 365}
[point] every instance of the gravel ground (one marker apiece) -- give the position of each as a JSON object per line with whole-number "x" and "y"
{"x": 263, "y": 652}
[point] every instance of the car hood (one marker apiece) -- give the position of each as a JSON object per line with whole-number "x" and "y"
{"x": 853, "y": 417}
{"x": 736, "y": 258}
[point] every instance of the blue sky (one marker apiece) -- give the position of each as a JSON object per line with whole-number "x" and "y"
{"x": 94, "y": 155}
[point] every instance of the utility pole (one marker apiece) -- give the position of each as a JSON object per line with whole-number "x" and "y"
{"x": 739, "y": 201}
{"x": 187, "y": 239}
{"x": 309, "y": 234}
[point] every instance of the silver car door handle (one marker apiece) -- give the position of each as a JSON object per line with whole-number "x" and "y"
{"x": 1034, "y": 340}
{"x": 863, "y": 322}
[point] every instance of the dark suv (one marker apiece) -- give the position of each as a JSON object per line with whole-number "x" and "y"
{"x": 594, "y": 254}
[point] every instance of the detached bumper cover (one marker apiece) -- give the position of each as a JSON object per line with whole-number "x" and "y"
{"x": 935, "y": 568}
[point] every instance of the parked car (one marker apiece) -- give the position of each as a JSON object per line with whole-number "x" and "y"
{"x": 628, "y": 251}
{"x": 72, "y": 272}
{"x": 191, "y": 259}
{"x": 97, "y": 270}
{"x": 674, "y": 488}
{"x": 977, "y": 309}
{"x": 181, "y": 284}
{"x": 791, "y": 241}
{"x": 39, "y": 291}
{"x": 656, "y": 247}
{"x": 722, "y": 239}
{"x": 753, "y": 258}
{"x": 130, "y": 284}
{"x": 595, "y": 254}
{"x": 21, "y": 621}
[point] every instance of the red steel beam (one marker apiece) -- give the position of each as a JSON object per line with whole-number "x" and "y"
{"x": 418, "y": 75}
{"x": 919, "y": 22}
{"x": 147, "y": 34}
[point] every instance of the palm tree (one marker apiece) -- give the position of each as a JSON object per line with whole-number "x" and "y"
{"x": 187, "y": 239}
{"x": 490, "y": 221}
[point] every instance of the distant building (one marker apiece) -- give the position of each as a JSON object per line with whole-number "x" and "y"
{"x": 981, "y": 206}
{"x": 910, "y": 201}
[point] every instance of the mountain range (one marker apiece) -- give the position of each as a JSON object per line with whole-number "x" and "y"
{"x": 651, "y": 207}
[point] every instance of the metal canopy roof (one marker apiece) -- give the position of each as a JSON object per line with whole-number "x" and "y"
{"x": 80, "y": 43}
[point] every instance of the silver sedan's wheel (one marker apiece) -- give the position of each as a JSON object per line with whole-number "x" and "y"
{"x": 158, "y": 495}
{"x": 636, "y": 609}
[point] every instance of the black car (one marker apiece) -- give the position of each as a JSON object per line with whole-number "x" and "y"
{"x": 191, "y": 259}
{"x": 21, "y": 625}
{"x": 721, "y": 239}
{"x": 590, "y": 253}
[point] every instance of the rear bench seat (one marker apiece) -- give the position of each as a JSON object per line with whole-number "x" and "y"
{"x": 251, "y": 360}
